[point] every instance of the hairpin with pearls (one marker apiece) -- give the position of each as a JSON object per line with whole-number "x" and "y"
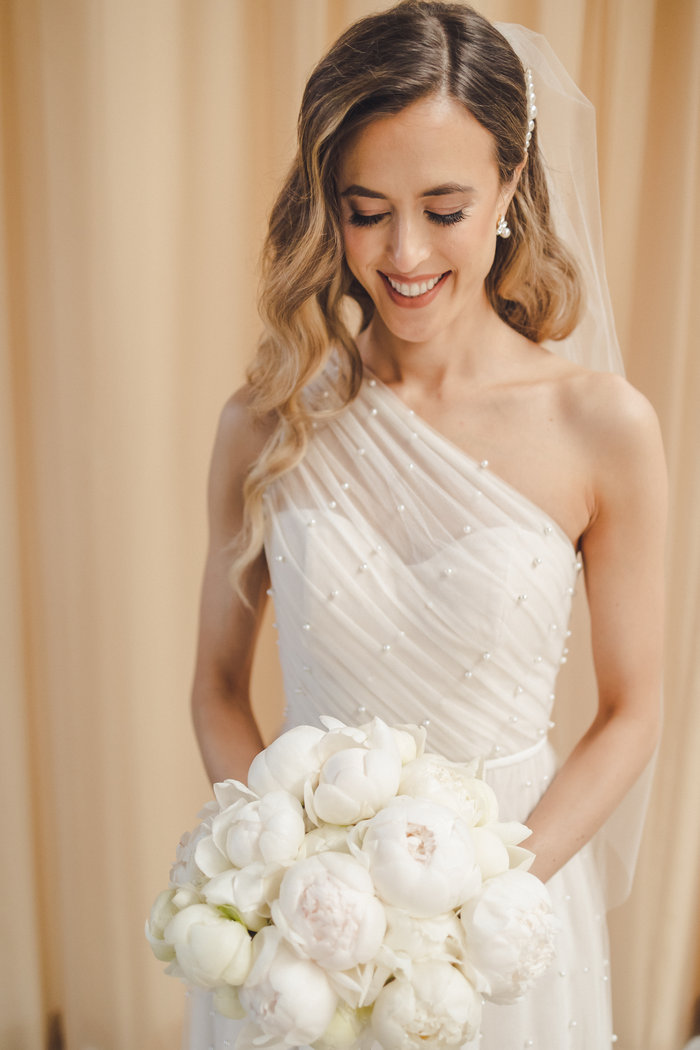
{"x": 531, "y": 107}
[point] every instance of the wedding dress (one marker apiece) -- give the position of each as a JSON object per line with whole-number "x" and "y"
{"x": 411, "y": 582}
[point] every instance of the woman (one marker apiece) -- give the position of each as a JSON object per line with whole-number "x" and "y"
{"x": 428, "y": 488}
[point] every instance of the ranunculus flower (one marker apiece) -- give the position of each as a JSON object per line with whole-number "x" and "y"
{"x": 246, "y": 892}
{"x": 421, "y": 857}
{"x": 328, "y": 911}
{"x": 452, "y": 784}
{"x": 437, "y": 1008}
{"x": 288, "y": 998}
{"x": 270, "y": 830}
{"x": 287, "y": 763}
{"x": 210, "y": 949}
{"x": 510, "y": 930}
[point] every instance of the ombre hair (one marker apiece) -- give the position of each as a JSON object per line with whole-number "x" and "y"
{"x": 380, "y": 65}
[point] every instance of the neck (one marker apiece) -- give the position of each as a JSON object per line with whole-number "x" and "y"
{"x": 470, "y": 351}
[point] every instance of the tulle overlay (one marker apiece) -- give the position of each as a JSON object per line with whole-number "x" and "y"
{"x": 412, "y": 583}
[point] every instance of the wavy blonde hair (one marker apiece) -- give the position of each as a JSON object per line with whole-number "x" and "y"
{"x": 380, "y": 65}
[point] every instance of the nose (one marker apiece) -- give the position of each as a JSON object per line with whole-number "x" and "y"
{"x": 408, "y": 244}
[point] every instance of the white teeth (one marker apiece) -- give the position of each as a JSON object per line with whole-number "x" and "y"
{"x": 412, "y": 290}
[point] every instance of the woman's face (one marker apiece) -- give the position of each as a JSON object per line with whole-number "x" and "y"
{"x": 421, "y": 197}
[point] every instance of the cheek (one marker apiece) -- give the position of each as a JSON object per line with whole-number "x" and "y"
{"x": 354, "y": 243}
{"x": 359, "y": 251}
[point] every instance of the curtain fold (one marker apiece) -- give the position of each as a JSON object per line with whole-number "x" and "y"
{"x": 140, "y": 147}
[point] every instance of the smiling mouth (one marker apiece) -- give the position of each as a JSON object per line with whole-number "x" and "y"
{"x": 414, "y": 289}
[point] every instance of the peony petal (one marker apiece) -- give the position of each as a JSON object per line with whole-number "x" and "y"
{"x": 510, "y": 928}
{"x": 328, "y": 911}
{"x": 288, "y": 997}
{"x": 421, "y": 857}
{"x": 437, "y": 1009}
{"x": 287, "y": 762}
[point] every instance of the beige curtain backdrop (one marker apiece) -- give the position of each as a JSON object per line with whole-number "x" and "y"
{"x": 140, "y": 145}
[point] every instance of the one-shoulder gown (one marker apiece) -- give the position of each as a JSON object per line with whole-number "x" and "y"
{"x": 411, "y": 582}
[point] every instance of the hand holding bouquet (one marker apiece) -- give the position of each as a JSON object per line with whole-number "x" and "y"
{"x": 358, "y": 892}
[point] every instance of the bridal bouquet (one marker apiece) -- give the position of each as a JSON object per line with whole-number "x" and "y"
{"x": 359, "y": 891}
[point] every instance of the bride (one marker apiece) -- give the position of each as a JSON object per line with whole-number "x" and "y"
{"x": 417, "y": 485}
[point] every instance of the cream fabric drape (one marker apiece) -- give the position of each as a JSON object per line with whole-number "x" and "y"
{"x": 140, "y": 145}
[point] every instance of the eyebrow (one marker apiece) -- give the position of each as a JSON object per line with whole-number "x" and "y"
{"x": 437, "y": 191}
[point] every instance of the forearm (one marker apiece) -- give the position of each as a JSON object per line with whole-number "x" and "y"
{"x": 227, "y": 733}
{"x": 588, "y": 787}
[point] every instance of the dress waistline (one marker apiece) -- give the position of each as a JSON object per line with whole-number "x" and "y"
{"x": 518, "y": 756}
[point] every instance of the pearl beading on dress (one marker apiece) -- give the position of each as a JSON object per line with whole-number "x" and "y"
{"x": 391, "y": 599}
{"x": 391, "y": 647}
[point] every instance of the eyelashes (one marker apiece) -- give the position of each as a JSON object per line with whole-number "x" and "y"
{"x": 446, "y": 220}
{"x": 357, "y": 219}
{"x": 364, "y": 220}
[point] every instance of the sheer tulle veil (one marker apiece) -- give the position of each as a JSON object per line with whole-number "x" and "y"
{"x": 567, "y": 139}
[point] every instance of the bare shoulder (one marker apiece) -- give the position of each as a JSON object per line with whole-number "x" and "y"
{"x": 619, "y": 439}
{"x": 240, "y": 438}
{"x": 613, "y": 419}
{"x": 241, "y": 434}
{"x": 242, "y": 430}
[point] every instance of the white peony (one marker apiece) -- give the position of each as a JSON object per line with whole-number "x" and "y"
{"x": 229, "y": 791}
{"x": 209, "y": 853}
{"x": 325, "y": 837}
{"x": 328, "y": 911}
{"x": 162, "y": 912}
{"x": 497, "y": 848}
{"x": 354, "y": 784}
{"x": 289, "y": 999}
{"x": 452, "y": 784}
{"x": 246, "y": 893}
{"x": 409, "y": 940}
{"x": 510, "y": 930}
{"x": 410, "y": 741}
{"x": 269, "y": 830}
{"x": 360, "y": 986}
{"x": 421, "y": 857}
{"x": 287, "y": 763}
{"x": 185, "y": 870}
{"x": 210, "y": 948}
{"x": 436, "y": 1009}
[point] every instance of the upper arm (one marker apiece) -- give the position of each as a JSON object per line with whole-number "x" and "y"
{"x": 228, "y": 626}
{"x": 623, "y": 549}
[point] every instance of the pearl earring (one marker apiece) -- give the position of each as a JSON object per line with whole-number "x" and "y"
{"x": 502, "y": 229}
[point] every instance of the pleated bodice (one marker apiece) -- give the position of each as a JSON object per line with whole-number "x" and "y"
{"x": 412, "y": 583}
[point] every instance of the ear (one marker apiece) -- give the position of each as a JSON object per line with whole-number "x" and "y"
{"x": 508, "y": 189}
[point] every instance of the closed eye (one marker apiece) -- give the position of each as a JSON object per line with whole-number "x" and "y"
{"x": 358, "y": 219}
{"x": 446, "y": 220}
